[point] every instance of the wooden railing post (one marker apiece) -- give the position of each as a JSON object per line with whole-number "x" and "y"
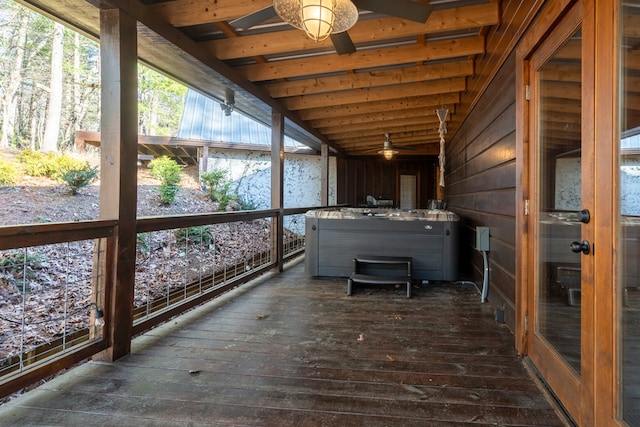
{"x": 277, "y": 185}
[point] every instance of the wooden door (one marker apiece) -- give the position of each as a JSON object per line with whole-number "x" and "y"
{"x": 560, "y": 223}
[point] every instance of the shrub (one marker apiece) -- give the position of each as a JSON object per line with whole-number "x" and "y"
{"x": 36, "y": 163}
{"x": 76, "y": 178}
{"x": 213, "y": 180}
{"x": 246, "y": 204}
{"x": 9, "y": 173}
{"x": 195, "y": 235}
{"x": 169, "y": 173}
{"x": 219, "y": 188}
{"x": 64, "y": 163}
{"x": 50, "y": 165}
{"x": 223, "y": 196}
{"x": 21, "y": 267}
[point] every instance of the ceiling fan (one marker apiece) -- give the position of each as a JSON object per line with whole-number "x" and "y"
{"x": 389, "y": 149}
{"x": 322, "y": 18}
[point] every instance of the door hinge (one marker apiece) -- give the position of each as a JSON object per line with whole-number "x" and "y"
{"x": 526, "y": 207}
{"x": 527, "y": 93}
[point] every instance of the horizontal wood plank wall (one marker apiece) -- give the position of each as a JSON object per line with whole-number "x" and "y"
{"x": 481, "y": 159}
{"x": 358, "y": 177}
{"x": 480, "y": 187}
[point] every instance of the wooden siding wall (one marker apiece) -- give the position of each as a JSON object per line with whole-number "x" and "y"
{"x": 480, "y": 187}
{"x": 358, "y": 177}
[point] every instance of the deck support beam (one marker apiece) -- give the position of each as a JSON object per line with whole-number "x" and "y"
{"x": 324, "y": 174}
{"x": 118, "y": 168}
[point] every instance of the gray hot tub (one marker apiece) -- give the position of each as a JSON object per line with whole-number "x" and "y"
{"x": 335, "y": 237}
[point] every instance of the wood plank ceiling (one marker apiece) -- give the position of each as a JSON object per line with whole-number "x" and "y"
{"x": 400, "y": 74}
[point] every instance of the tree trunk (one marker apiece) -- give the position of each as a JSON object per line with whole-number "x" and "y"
{"x": 10, "y": 98}
{"x": 52, "y": 128}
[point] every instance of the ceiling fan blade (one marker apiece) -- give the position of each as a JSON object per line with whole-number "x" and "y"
{"x": 343, "y": 43}
{"x": 405, "y": 9}
{"x": 254, "y": 18}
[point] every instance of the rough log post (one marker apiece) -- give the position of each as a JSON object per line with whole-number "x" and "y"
{"x": 277, "y": 184}
{"x": 118, "y": 168}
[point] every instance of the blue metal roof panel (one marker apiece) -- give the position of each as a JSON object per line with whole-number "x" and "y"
{"x": 204, "y": 119}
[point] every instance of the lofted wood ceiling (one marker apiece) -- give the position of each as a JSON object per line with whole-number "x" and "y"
{"x": 401, "y": 72}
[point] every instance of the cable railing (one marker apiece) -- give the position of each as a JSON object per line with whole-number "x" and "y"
{"x": 51, "y": 279}
{"x": 197, "y": 256}
{"x": 57, "y": 281}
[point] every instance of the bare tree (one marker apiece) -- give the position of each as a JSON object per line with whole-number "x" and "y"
{"x": 54, "y": 112}
{"x": 10, "y": 97}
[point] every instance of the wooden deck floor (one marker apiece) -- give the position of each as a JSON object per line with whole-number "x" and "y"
{"x": 295, "y": 351}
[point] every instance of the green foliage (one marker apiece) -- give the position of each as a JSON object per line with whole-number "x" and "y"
{"x": 247, "y": 205}
{"x": 160, "y": 102}
{"x": 169, "y": 173}
{"x": 64, "y": 163}
{"x": 195, "y": 235}
{"x": 214, "y": 179}
{"x": 224, "y": 197}
{"x": 219, "y": 188}
{"x": 79, "y": 178}
{"x": 36, "y": 163}
{"x": 50, "y": 165}
{"x": 21, "y": 267}
{"x": 141, "y": 242}
{"x": 9, "y": 172}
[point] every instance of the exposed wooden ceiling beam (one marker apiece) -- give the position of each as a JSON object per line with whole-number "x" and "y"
{"x": 390, "y": 114}
{"x": 392, "y": 129}
{"x": 182, "y": 13}
{"x": 371, "y": 107}
{"x": 378, "y": 94}
{"x": 364, "y": 31}
{"x": 371, "y": 79}
{"x": 397, "y": 55}
{"x": 423, "y": 137}
{"x": 424, "y": 121}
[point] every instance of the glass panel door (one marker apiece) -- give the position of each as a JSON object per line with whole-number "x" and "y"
{"x": 560, "y": 183}
{"x": 629, "y": 208}
{"x": 559, "y": 201}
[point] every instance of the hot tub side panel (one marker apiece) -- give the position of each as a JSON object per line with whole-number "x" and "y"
{"x": 333, "y": 243}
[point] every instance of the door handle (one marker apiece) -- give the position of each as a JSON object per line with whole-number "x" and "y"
{"x": 583, "y": 247}
{"x": 583, "y": 216}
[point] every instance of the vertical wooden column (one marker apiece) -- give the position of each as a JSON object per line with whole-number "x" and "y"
{"x": 277, "y": 183}
{"x": 324, "y": 174}
{"x": 118, "y": 169}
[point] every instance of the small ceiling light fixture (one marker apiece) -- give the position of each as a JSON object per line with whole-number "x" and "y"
{"x": 317, "y": 18}
{"x": 387, "y": 149}
{"x": 229, "y": 102}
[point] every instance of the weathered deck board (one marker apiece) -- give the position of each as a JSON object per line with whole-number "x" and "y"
{"x": 295, "y": 351}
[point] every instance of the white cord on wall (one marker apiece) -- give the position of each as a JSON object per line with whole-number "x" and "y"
{"x": 485, "y": 279}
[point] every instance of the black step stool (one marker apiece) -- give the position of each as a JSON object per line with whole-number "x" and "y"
{"x": 380, "y": 261}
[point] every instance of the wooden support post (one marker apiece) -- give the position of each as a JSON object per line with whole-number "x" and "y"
{"x": 118, "y": 169}
{"x": 204, "y": 162}
{"x": 277, "y": 184}
{"x": 324, "y": 174}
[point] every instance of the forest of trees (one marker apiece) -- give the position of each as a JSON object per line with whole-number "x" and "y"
{"x": 50, "y": 85}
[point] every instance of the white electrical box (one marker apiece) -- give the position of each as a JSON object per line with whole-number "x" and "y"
{"x": 482, "y": 238}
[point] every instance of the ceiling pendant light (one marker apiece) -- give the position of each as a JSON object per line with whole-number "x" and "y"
{"x": 318, "y": 18}
{"x": 387, "y": 149}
